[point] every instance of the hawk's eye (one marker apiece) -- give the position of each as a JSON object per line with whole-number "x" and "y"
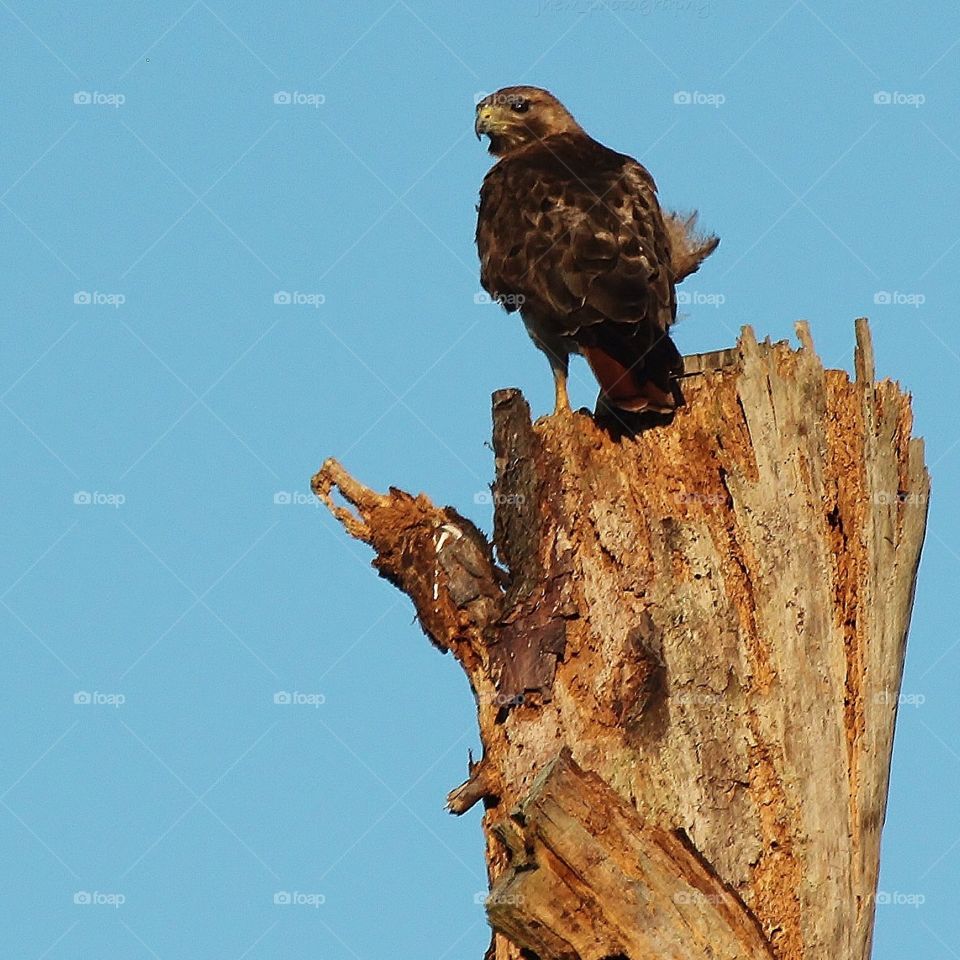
{"x": 520, "y": 106}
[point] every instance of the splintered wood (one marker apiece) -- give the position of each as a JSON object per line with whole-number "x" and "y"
{"x": 705, "y": 622}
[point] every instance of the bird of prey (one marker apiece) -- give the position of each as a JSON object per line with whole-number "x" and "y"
{"x": 571, "y": 234}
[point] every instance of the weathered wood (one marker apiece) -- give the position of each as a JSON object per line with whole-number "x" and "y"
{"x": 695, "y": 363}
{"x": 711, "y": 615}
{"x": 589, "y": 879}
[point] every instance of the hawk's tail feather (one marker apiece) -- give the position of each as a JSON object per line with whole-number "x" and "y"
{"x": 634, "y": 376}
{"x": 688, "y": 247}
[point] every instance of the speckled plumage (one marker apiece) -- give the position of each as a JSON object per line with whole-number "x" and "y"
{"x": 571, "y": 234}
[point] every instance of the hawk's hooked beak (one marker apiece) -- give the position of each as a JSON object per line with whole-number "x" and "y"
{"x": 484, "y": 122}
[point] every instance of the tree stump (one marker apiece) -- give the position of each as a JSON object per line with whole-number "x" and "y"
{"x": 686, "y": 649}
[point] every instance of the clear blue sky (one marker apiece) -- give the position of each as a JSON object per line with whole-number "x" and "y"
{"x": 182, "y": 402}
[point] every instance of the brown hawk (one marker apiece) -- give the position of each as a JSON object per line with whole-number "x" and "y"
{"x": 571, "y": 234}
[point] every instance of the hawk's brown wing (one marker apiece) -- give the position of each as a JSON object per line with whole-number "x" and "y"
{"x": 572, "y": 232}
{"x": 576, "y": 227}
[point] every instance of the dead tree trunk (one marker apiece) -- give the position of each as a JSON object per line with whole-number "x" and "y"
{"x": 686, "y": 654}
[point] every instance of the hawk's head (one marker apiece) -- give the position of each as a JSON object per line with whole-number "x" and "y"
{"x": 515, "y": 116}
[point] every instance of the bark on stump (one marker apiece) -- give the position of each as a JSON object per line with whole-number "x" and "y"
{"x": 686, "y": 653}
